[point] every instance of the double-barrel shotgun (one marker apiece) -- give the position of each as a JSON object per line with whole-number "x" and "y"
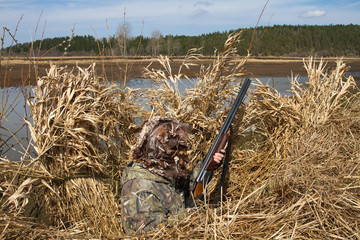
{"x": 209, "y": 165}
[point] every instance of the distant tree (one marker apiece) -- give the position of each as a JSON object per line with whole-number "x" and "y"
{"x": 156, "y": 39}
{"x": 169, "y": 44}
{"x": 123, "y": 34}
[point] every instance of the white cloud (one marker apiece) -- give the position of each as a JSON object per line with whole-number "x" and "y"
{"x": 199, "y": 13}
{"x": 313, "y": 13}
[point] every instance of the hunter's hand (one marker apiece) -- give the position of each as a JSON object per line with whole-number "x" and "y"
{"x": 219, "y": 156}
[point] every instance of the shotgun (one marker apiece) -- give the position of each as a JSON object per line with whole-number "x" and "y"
{"x": 220, "y": 142}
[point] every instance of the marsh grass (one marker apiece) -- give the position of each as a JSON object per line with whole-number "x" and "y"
{"x": 8, "y": 138}
{"x": 295, "y": 174}
{"x": 203, "y": 107}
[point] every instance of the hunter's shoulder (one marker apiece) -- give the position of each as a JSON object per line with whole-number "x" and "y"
{"x": 136, "y": 170}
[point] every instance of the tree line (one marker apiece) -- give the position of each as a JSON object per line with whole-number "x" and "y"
{"x": 277, "y": 40}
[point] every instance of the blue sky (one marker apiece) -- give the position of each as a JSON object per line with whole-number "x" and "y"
{"x": 178, "y": 17}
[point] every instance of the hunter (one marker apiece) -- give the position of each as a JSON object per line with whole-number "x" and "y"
{"x": 155, "y": 183}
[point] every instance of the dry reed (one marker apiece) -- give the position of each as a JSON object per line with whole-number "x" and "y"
{"x": 205, "y": 105}
{"x": 79, "y": 122}
{"x": 81, "y": 130}
{"x": 297, "y": 174}
{"x": 294, "y": 172}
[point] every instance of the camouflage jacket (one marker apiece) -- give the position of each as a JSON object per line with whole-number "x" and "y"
{"x": 148, "y": 199}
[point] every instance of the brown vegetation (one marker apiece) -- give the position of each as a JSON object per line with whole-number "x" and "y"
{"x": 294, "y": 171}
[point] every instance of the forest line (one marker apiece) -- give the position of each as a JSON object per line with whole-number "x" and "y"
{"x": 284, "y": 40}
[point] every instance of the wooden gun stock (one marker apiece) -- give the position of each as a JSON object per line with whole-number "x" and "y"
{"x": 198, "y": 190}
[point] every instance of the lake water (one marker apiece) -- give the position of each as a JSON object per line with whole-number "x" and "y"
{"x": 15, "y": 136}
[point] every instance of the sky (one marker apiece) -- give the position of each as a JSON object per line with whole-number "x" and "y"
{"x": 36, "y": 19}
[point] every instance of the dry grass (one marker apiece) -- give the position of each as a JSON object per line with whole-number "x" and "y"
{"x": 81, "y": 130}
{"x": 294, "y": 173}
{"x": 203, "y": 107}
{"x": 298, "y": 175}
{"x": 80, "y": 122}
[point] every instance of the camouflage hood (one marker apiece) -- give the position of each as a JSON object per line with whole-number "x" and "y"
{"x": 161, "y": 146}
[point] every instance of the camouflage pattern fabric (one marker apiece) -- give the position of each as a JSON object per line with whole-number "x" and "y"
{"x": 147, "y": 199}
{"x": 151, "y": 183}
{"x": 161, "y": 146}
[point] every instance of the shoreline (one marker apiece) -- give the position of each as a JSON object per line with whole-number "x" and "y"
{"x": 17, "y": 71}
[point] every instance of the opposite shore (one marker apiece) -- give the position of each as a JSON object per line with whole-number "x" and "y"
{"x": 17, "y": 70}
